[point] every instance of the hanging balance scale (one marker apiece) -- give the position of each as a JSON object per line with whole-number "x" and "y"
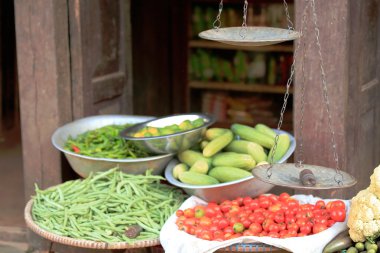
{"x": 294, "y": 175}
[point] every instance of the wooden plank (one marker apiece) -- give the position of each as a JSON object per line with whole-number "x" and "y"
{"x": 218, "y": 45}
{"x": 315, "y": 130}
{"x": 44, "y": 80}
{"x": 363, "y": 117}
{"x": 98, "y": 56}
{"x": 259, "y": 88}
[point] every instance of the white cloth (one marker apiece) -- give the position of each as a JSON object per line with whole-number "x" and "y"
{"x": 176, "y": 241}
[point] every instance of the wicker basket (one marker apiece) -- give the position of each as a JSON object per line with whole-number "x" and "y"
{"x": 81, "y": 243}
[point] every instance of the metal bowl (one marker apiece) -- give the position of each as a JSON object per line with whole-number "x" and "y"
{"x": 249, "y": 186}
{"x": 83, "y": 165}
{"x": 172, "y": 143}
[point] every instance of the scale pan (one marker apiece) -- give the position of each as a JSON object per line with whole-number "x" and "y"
{"x": 287, "y": 175}
{"x": 254, "y": 35}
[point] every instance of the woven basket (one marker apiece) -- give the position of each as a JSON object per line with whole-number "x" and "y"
{"x": 81, "y": 243}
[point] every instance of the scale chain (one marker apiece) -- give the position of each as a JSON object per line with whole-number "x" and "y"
{"x": 290, "y": 23}
{"x": 217, "y": 23}
{"x": 243, "y": 30}
{"x": 338, "y": 176}
{"x": 286, "y": 96}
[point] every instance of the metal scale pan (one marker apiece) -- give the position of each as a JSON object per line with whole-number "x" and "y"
{"x": 250, "y": 36}
{"x": 288, "y": 175}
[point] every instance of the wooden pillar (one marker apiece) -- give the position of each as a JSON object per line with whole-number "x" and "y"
{"x": 349, "y": 33}
{"x": 45, "y": 88}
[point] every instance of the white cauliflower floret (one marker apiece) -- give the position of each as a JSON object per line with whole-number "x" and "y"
{"x": 364, "y": 216}
{"x": 375, "y": 181}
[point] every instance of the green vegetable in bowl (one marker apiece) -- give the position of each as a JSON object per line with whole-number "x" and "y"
{"x": 104, "y": 142}
{"x": 109, "y": 206}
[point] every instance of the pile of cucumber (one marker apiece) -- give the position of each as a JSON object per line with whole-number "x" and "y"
{"x": 342, "y": 243}
{"x": 226, "y": 155}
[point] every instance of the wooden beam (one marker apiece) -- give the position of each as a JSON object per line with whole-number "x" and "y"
{"x": 333, "y": 19}
{"x": 45, "y": 86}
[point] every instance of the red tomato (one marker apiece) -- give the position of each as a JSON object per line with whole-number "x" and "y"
{"x": 301, "y": 221}
{"x": 249, "y": 233}
{"x": 189, "y": 212}
{"x": 338, "y": 214}
{"x": 257, "y": 217}
{"x": 239, "y": 200}
{"x": 292, "y": 226}
{"x": 179, "y": 213}
{"x": 266, "y": 224}
{"x": 273, "y": 198}
{"x": 335, "y": 204}
{"x": 218, "y": 235}
{"x": 274, "y": 228}
{"x": 282, "y": 226}
{"x": 228, "y": 229}
{"x": 264, "y": 201}
{"x": 273, "y": 234}
{"x": 247, "y": 200}
{"x": 206, "y": 235}
{"x": 223, "y": 223}
{"x": 305, "y": 229}
{"x": 319, "y": 228}
{"x": 284, "y": 196}
{"x": 330, "y": 223}
{"x": 205, "y": 221}
{"x": 263, "y": 233}
{"x": 320, "y": 204}
{"x": 210, "y": 212}
{"x": 190, "y": 221}
{"x": 275, "y": 207}
{"x": 246, "y": 222}
{"x": 256, "y": 228}
{"x": 279, "y": 217}
{"x": 253, "y": 205}
{"x": 301, "y": 234}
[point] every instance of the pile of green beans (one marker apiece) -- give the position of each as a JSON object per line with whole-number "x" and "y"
{"x": 102, "y": 206}
{"x": 104, "y": 142}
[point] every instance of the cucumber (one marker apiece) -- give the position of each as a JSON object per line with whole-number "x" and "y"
{"x": 242, "y": 161}
{"x": 218, "y": 144}
{"x": 214, "y": 132}
{"x": 194, "y": 178}
{"x": 283, "y": 144}
{"x": 265, "y": 130}
{"x": 190, "y": 157}
{"x": 251, "y": 134}
{"x": 248, "y": 147}
{"x": 228, "y": 174}
{"x": 200, "y": 166}
{"x": 178, "y": 169}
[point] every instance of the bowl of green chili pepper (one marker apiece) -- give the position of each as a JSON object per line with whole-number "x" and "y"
{"x": 93, "y": 144}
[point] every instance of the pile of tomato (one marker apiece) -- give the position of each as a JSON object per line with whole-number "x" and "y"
{"x": 267, "y": 215}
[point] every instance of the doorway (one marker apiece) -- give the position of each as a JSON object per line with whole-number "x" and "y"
{"x": 11, "y": 180}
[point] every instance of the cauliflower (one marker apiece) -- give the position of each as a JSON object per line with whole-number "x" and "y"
{"x": 364, "y": 216}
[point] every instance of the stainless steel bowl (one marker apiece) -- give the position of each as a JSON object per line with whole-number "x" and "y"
{"x": 171, "y": 143}
{"x": 250, "y": 186}
{"x": 83, "y": 165}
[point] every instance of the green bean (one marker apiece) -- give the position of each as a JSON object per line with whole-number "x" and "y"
{"x": 104, "y": 142}
{"x": 104, "y": 204}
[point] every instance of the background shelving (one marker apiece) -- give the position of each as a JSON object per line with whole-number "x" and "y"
{"x": 238, "y": 84}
